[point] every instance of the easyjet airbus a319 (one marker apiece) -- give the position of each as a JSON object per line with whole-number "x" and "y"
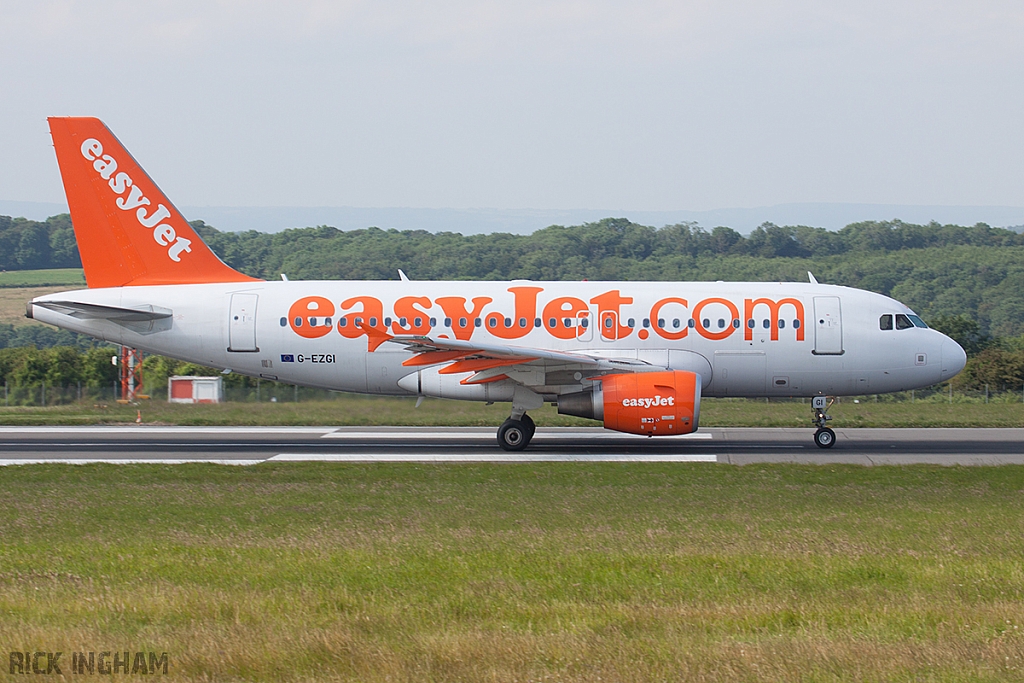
{"x": 637, "y": 356}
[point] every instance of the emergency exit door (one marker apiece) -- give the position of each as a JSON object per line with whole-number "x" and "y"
{"x": 242, "y": 323}
{"x": 828, "y": 326}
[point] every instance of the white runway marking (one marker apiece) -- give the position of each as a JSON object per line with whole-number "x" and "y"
{"x": 492, "y": 457}
{"x": 158, "y": 429}
{"x": 545, "y": 435}
{"x": 5, "y": 462}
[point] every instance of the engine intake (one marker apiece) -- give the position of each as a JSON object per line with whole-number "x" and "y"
{"x": 652, "y": 403}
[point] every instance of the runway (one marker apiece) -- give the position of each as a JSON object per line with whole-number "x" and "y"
{"x": 737, "y": 446}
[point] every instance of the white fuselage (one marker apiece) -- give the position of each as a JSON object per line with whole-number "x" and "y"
{"x": 744, "y": 339}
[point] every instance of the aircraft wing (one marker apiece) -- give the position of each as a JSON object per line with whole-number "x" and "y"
{"x": 491, "y": 362}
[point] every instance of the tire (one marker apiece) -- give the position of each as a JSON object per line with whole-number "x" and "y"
{"x": 513, "y": 435}
{"x": 824, "y": 438}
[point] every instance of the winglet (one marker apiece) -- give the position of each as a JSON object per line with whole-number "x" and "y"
{"x": 128, "y": 232}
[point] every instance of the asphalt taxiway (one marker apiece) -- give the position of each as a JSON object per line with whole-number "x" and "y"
{"x": 738, "y": 446}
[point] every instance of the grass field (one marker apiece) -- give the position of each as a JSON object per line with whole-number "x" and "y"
{"x": 13, "y": 300}
{"x": 68, "y": 278}
{"x": 539, "y": 572}
{"x": 350, "y": 409}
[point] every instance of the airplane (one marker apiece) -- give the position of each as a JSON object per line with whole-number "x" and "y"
{"x": 637, "y": 356}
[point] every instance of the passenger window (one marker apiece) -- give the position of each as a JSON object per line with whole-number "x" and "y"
{"x": 284, "y": 322}
{"x": 448, "y": 322}
{"x": 631, "y": 323}
{"x": 903, "y": 322}
{"x": 522, "y": 322}
{"x": 917, "y": 321}
{"x": 766, "y": 323}
{"x": 885, "y": 322}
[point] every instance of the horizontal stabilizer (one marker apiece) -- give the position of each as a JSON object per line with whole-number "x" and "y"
{"x": 114, "y": 314}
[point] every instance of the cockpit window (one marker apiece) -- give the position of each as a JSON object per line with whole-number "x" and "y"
{"x": 903, "y": 322}
{"x": 885, "y": 322}
{"x": 917, "y": 321}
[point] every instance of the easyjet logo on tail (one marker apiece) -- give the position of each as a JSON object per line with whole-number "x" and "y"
{"x": 135, "y": 201}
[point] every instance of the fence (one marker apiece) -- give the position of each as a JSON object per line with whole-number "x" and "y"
{"x": 43, "y": 394}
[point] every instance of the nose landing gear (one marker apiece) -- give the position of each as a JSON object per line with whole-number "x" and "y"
{"x": 824, "y": 437}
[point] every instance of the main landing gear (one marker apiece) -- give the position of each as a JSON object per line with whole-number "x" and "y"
{"x": 515, "y": 435}
{"x": 824, "y": 437}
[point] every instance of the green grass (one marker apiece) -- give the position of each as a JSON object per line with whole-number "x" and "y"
{"x": 557, "y": 571}
{"x": 350, "y": 409}
{"x": 51, "y": 277}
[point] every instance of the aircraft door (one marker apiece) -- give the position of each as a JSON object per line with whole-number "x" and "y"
{"x": 242, "y": 323}
{"x": 828, "y": 326}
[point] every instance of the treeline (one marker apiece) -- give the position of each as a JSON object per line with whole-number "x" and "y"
{"x": 611, "y": 248}
{"x": 63, "y": 374}
{"x": 938, "y": 270}
{"x": 30, "y": 245}
{"x": 553, "y": 253}
{"x": 42, "y": 337}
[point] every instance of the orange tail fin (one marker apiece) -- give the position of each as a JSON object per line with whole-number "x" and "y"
{"x": 128, "y": 232}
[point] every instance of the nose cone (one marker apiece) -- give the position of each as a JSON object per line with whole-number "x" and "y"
{"x": 954, "y": 358}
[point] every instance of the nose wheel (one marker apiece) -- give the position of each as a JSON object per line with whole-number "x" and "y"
{"x": 515, "y": 435}
{"x": 824, "y": 437}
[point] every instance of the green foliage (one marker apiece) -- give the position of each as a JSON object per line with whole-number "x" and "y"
{"x": 42, "y": 337}
{"x": 962, "y": 330}
{"x": 27, "y": 245}
{"x": 947, "y": 273}
{"x": 58, "y": 367}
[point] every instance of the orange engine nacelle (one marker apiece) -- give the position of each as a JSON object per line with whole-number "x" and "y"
{"x": 652, "y": 403}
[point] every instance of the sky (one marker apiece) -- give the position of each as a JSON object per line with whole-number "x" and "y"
{"x": 549, "y": 104}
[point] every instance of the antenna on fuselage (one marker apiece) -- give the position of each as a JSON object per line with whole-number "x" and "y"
{"x": 810, "y": 276}
{"x": 401, "y": 274}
